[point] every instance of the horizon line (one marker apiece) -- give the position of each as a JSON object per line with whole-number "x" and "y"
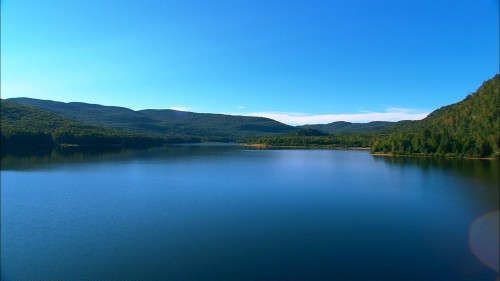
{"x": 392, "y": 114}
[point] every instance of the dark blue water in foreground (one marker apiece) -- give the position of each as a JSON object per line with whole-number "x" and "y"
{"x": 227, "y": 213}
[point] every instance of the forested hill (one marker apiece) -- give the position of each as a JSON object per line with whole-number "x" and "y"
{"x": 467, "y": 128}
{"x": 166, "y": 122}
{"x": 342, "y": 127}
{"x": 30, "y": 130}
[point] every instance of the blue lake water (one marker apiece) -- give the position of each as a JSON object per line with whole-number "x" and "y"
{"x": 229, "y": 213}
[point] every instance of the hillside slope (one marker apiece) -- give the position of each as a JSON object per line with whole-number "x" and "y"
{"x": 165, "y": 122}
{"x": 342, "y": 127}
{"x": 467, "y": 128}
{"x": 27, "y": 129}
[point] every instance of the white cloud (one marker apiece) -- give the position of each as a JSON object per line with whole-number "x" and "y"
{"x": 390, "y": 114}
{"x": 179, "y": 108}
{"x": 241, "y": 107}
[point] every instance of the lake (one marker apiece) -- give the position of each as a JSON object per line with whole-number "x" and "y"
{"x": 233, "y": 213}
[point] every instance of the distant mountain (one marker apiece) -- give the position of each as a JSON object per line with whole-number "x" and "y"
{"x": 307, "y": 132}
{"x": 230, "y": 127}
{"x": 342, "y": 127}
{"x": 29, "y": 130}
{"x": 166, "y": 122}
{"x": 469, "y": 128}
{"x": 16, "y": 117}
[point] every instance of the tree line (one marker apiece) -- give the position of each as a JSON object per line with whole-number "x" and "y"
{"x": 26, "y": 130}
{"x": 469, "y": 128}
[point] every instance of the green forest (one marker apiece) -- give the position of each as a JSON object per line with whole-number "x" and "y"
{"x": 26, "y": 130}
{"x": 311, "y": 138}
{"x": 180, "y": 124}
{"x": 469, "y": 128}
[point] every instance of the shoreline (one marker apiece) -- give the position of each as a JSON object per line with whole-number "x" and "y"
{"x": 431, "y": 156}
{"x": 266, "y": 146}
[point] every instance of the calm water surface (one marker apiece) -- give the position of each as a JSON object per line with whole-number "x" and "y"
{"x": 227, "y": 213}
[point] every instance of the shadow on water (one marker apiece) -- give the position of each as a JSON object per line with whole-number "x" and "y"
{"x": 481, "y": 169}
{"x": 487, "y": 170}
{"x": 483, "y": 229}
{"x": 295, "y": 213}
{"x": 89, "y": 155}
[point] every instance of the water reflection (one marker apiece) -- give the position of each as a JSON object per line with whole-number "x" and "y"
{"x": 486, "y": 170}
{"x": 81, "y": 155}
{"x": 229, "y": 213}
{"x": 483, "y": 233}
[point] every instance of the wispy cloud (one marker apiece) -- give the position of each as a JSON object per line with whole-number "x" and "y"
{"x": 179, "y": 108}
{"x": 390, "y": 114}
{"x": 241, "y": 107}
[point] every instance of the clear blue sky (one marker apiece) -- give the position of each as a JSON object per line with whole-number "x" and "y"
{"x": 302, "y": 61}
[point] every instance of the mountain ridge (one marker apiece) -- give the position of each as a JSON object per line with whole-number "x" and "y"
{"x": 26, "y": 129}
{"x": 340, "y": 127}
{"x": 149, "y": 120}
{"x": 466, "y": 128}
{"x": 163, "y": 121}
{"x": 469, "y": 128}
{"x": 182, "y": 123}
